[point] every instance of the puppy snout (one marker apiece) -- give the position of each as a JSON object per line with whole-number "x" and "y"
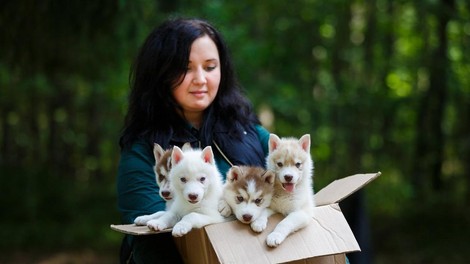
{"x": 247, "y": 217}
{"x": 165, "y": 194}
{"x": 288, "y": 178}
{"x": 192, "y": 196}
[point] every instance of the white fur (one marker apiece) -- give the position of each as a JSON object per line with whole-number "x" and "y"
{"x": 162, "y": 176}
{"x": 197, "y": 187}
{"x": 290, "y": 159}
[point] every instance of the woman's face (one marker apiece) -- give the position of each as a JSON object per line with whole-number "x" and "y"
{"x": 201, "y": 82}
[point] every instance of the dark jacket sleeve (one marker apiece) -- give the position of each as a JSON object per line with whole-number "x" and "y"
{"x": 137, "y": 191}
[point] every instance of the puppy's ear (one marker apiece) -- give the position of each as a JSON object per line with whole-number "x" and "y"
{"x": 157, "y": 152}
{"x": 269, "y": 177}
{"x": 176, "y": 155}
{"x": 187, "y": 146}
{"x": 234, "y": 173}
{"x": 208, "y": 155}
{"x": 304, "y": 142}
{"x": 273, "y": 142}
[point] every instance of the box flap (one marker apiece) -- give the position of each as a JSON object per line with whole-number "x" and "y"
{"x": 136, "y": 230}
{"x": 339, "y": 189}
{"x": 329, "y": 233}
{"x": 132, "y": 229}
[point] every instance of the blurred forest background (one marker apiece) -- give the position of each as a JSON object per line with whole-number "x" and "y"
{"x": 381, "y": 85}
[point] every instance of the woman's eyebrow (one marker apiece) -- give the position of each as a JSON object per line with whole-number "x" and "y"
{"x": 208, "y": 60}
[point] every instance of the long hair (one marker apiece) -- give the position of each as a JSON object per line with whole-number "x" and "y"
{"x": 159, "y": 66}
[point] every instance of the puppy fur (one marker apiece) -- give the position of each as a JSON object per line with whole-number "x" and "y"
{"x": 291, "y": 161}
{"x": 197, "y": 186}
{"x": 248, "y": 191}
{"x": 162, "y": 172}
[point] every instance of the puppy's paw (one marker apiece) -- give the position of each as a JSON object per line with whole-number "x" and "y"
{"x": 274, "y": 239}
{"x": 181, "y": 228}
{"x": 142, "y": 220}
{"x": 259, "y": 224}
{"x": 224, "y": 208}
{"x": 157, "y": 225}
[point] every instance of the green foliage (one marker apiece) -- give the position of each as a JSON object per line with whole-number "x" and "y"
{"x": 380, "y": 85}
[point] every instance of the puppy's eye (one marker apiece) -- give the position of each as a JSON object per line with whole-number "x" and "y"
{"x": 239, "y": 199}
{"x": 298, "y": 164}
{"x": 258, "y": 201}
{"x": 183, "y": 180}
{"x": 202, "y": 179}
{"x": 279, "y": 164}
{"x": 161, "y": 178}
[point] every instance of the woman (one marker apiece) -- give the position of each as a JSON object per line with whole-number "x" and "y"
{"x": 183, "y": 89}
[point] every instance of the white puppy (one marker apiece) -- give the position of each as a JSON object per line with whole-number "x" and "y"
{"x": 290, "y": 159}
{"x": 162, "y": 175}
{"x": 247, "y": 194}
{"x": 197, "y": 185}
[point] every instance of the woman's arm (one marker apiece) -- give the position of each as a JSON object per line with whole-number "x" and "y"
{"x": 137, "y": 189}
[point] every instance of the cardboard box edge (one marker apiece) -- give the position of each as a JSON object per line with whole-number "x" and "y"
{"x": 320, "y": 202}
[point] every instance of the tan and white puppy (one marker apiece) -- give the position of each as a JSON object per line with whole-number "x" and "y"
{"x": 162, "y": 176}
{"x": 197, "y": 186}
{"x": 247, "y": 194}
{"x": 291, "y": 161}
{"x": 162, "y": 171}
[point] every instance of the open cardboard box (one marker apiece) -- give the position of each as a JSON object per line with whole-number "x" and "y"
{"x": 325, "y": 240}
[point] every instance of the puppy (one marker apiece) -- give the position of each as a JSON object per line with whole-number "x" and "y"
{"x": 162, "y": 172}
{"x": 197, "y": 186}
{"x": 290, "y": 159}
{"x": 247, "y": 194}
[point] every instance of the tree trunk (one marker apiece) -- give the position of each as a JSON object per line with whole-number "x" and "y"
{"x": 338, "y": 66}
{"x": 430, "y": 138}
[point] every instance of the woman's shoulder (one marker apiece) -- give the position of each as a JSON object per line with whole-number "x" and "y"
{"x": 262, "y": 131}
{"x": 263, "y": 135}
{"x": 139, "y": 149}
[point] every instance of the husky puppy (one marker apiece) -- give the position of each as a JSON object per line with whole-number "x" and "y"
{"x": 162, "y": 172}
{"x": 247, "y": 194}
{"x": 290, "y": 159}
{"x": 197, "y": 186}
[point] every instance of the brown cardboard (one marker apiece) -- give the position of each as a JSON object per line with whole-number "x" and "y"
{"x": 324, "y": 241}
{"x": 327, "y": 234}
{"x": 340, "y": 189}
{"x": 195, "y": 248}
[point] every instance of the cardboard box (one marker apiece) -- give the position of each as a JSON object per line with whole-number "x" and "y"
{"x": 325, "y": 240}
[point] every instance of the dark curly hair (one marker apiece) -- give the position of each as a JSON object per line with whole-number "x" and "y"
{"x": 158, "y": 67}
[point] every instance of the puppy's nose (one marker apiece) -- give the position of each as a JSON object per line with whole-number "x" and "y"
{"x": 288, "y": 178}
{"x": 192, "y": 196}
{"x": 247, "y": 217}
{"x": 165, "y": 194}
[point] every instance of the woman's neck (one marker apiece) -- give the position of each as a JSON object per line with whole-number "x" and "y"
{"x": 196, "y": 125}
{"x": 195, "y": 119}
